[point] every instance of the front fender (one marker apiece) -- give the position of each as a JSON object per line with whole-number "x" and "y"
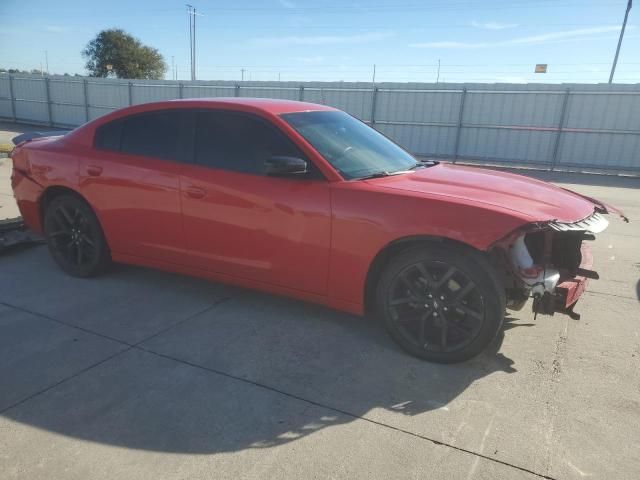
{"x": 365, "y": 222}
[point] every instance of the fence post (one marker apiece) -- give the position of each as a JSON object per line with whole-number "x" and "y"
{"x": 563, "y": 112}
{"x": 181, "y": 90}
{"x": 459, "y": 127}
{"x": 236, "y": 90}
{"x": 301, "y": 94}
{"x": 85, "y": 92}
{"x": 374, "y": 97}
{"x": 130, "y": 93}
{"x": 13, "y": 99}
{"x": 48, "y": 90}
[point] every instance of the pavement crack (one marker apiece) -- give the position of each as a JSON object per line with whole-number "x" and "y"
{"x": 66, "y": 379}
{"x": 551, "y": 404}
{"x": 66, "y": 324}
{"x": 184, "y": 320}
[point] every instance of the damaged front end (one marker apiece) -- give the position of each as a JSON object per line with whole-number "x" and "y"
{"x": 550, "y": 262}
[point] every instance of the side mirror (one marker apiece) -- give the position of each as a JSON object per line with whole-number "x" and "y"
{"x": 281, "y": 165}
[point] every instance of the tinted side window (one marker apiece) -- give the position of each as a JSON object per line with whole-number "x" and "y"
{"x": 108, "y": 136}
{"x": 155, "y": 134}
{"x": 239, "y": 142}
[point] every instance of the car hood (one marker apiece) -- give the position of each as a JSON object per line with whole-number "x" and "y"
{"x": 532, "y": 199}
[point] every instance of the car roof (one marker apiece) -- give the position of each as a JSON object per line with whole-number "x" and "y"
{"x": 268, "y": 105}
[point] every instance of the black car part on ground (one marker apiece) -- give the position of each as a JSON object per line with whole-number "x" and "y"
{"x": 14, "y": 232}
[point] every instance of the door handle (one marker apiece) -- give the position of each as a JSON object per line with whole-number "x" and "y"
{"x": 94, "y": 170}
{"x": 195, "y": 192}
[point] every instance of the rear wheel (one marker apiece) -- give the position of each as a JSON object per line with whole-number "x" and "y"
{"x": 74, "y": 237}
{"x": 441, "y": 303}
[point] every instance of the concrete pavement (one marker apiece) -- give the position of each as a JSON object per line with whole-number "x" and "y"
{"x": 144, "y": 374}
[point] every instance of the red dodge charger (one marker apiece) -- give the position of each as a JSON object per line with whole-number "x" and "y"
{"x": 304, "y": 200}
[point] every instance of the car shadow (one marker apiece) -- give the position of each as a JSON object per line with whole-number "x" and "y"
{"x": 252, "y": 372}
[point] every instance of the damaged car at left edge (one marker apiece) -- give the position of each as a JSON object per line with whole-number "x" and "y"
{"x": 306, "y": 201}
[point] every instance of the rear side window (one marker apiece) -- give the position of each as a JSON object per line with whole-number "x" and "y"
{"x": 155, "y": 134}
{"x": 108, "y": 136}
{"x": 239, "y": 142}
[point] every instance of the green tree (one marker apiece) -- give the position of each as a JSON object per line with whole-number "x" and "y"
{"x": 116, "y": 53}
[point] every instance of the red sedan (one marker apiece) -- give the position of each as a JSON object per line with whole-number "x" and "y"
{"x": 304, "y": 200}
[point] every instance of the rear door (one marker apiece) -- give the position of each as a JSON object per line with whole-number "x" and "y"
{"x": 241, "y": 222}
{"x": 132, "y": 180}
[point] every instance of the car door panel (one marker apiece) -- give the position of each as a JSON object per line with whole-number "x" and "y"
{"x": 273, "y": 230}
{"x": 269, "y": 229}
{"x": 137, "y": 196}
{"x": 138, "y": 203}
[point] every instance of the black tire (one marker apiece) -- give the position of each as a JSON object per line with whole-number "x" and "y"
{"x": 441, "y": 303}
{"x": 74, "y": 236}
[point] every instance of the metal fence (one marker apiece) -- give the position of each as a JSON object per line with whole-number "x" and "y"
{"x": 567, "y": 126}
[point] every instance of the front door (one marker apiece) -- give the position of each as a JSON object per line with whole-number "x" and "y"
{"x": 239, "y": 221}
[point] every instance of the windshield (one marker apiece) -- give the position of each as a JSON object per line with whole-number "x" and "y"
{"x": 351, "y": 147}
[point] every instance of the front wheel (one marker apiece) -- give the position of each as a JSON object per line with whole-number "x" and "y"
{"x": 441, "y": 303}
{"x": 74, "y": 237}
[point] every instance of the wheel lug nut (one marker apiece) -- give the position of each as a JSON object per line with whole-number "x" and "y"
{"x": 435, "y": 314}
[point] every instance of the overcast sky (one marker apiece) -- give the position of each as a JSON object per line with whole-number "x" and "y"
{"x": 475, "y": 40}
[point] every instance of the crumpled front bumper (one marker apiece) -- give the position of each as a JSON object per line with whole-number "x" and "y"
{"x": 554, "y": 266}
{"x": 569, "y": 291}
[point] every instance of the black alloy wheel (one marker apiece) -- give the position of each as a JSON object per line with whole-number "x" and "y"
{"x": 74, "y": 236}
{"x": 441, "y": 303}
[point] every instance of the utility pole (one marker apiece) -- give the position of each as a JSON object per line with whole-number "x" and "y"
{"x": 624, "y": 24}
{"x": 242, "y": 74}
{"x": 438, "y": 77}
{"x": 373, "y": 78}
{"x": 46, "y": 60}
{"x": 194, "y": 44}
{"x": 173, "y": 68}
{"x": 189, "y": 7}
{"x": 191, "y": 11}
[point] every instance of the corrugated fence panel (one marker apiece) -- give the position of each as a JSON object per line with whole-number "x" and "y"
{"x": 521, "y": 146}
{"x": 203, "y": 91}
{"x": 357, "y": 102}
{"x": 608, "y": 151}
{"x": 604, "y": 111}
{"x": 521, "y": 109}
{"x": 31, "y": 96}
{"x": 5, "y": 97}
{"x": 510, "y": 123}
{"x": 416, "y": 106}
{"x": 67, "y": 101}
{"x": 421, "y": 140}
{"x": 145, "y": 93}
{"x": 104, "y": 97}
{"x": 267, "y": 92}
